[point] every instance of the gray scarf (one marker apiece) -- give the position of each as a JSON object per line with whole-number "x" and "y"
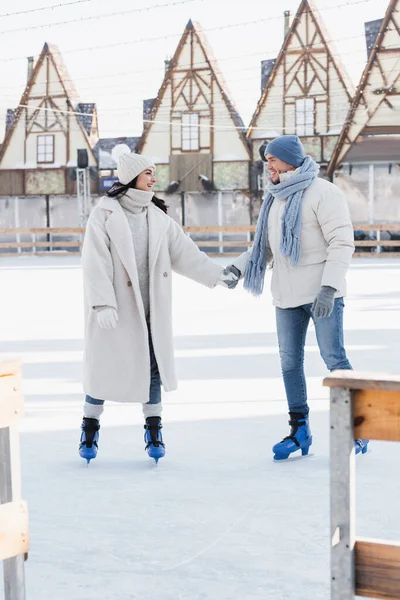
{"x": 136, "y": 201}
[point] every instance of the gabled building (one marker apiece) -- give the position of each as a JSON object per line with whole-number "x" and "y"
{"x": 305, "y": 90}
{"x": 44, "y": 133}
{"x": 192, "y": 130}
{"x": 366, "y": 159}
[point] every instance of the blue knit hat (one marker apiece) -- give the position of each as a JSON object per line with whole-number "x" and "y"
{"x": 287, "y": 148}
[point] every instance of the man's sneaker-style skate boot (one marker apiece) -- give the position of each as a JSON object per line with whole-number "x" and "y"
{"x": 361, "y": 446}
{"x": 300, "y": 438}
{"x": 89, "y": 439}
{"x": 153, "y": 438}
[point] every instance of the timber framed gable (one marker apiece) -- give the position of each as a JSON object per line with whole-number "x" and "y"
{"x": 374, "y": 113}
{"x": 46, "y": 118}
{"x": 192, "y": 128}
{"x": 307, "y": 91}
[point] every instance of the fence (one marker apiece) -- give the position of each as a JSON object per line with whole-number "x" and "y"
{"x": 366, "y": 407}
{"x": 14, "y": 535}
{"x": 69, "y": 240}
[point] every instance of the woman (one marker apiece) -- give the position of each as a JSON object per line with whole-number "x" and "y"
{"x": 131, "y": 246}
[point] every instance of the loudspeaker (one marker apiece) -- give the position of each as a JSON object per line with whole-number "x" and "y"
{"x": 83, "y": 159}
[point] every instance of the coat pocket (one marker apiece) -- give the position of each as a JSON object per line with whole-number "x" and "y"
{"x": 314, "y": 257}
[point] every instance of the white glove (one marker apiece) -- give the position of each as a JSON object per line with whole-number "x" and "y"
{"x": 229, "y": 278}
{"x": 107, "y": 317}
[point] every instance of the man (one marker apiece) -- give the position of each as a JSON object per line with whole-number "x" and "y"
{"x": 305, "y": 233}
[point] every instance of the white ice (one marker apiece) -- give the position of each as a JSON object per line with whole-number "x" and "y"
{"x": 217, "y": 519}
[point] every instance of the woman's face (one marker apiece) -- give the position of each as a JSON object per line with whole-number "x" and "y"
{"x": 146, "y": 180}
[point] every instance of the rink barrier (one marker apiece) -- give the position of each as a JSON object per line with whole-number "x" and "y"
{"x": 363, "y": 406}
{"x": 71, "y": 240}
{"x": 14, "y": 529}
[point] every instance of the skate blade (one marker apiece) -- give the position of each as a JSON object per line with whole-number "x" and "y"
{"x": 293, "y": 458}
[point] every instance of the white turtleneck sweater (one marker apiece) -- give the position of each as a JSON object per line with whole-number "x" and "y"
{"x": 135, "y": 204}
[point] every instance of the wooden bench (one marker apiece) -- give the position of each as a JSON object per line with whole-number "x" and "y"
{"x": 367, "y": 407}
{"x": 14, "y": 533}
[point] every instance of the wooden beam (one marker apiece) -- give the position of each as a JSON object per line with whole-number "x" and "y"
{"x": 377, "y": 415}
{"x": 377, "y": 566}
{"x": 14, "y": 530}
{"x": 11, "y": 400}
{"x": 216, "y": 243}
{"x": 68, "y": 244}
{"x": 354, "y": 380}
{"x": 44, "y": 230}
{"x": 377, "y": 243}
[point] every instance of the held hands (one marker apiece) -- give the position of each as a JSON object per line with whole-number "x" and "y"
{"x": 229, "y": 277}
{"x": 323, "y": 303}
{"x": 107, "y": 317}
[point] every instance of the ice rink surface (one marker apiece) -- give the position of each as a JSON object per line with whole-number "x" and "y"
{"x": 217, "y": 519}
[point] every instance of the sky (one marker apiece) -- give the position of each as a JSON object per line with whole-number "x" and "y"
{"x": 115, "y": 51}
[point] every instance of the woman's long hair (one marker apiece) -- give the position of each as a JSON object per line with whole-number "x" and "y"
{"x": 118, "y": 189}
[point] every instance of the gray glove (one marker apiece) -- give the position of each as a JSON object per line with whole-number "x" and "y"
{"x": 323, "y": 303}
{"x": 229, "y": 277}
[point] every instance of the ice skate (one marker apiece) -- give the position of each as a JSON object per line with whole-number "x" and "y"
{"x": 88, "y": 446}
{"x": 300, "y": 438}
{"x": 155, "y": 446}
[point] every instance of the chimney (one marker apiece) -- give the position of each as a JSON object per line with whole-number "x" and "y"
{"x": 286, "y": 16}
{"x": 30, "y": 66}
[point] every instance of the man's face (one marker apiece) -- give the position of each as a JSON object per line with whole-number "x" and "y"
{"x": 276, "y": 167}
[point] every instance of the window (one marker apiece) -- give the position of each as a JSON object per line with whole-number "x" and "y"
{"x": 45, "y": 148}
{"x": 190, "y": 131}
{"x": 305, "y": 116}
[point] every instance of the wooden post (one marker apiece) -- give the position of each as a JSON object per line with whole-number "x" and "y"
{"x": 13, "y": 513}
{"x": 342, "y": 478}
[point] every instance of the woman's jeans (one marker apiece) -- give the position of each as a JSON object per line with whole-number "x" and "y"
{"x": 292, "y": 325}
{"x": 94, "y": 407}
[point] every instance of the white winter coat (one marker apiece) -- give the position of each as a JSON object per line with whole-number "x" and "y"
{"x": 327, "y": 245}
{"x": 117, "y": 361}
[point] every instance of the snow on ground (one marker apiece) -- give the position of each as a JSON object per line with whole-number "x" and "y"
{"x": 217, "y": 519}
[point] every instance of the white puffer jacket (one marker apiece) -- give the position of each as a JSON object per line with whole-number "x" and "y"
{"x": 327, "y": 245}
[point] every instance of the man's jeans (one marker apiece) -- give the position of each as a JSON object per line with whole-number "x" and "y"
{"x": 292, "y": 324}
{"x": 149, "y": 409}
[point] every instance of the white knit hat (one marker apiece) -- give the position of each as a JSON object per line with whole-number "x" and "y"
{"x": 131, "y": 165}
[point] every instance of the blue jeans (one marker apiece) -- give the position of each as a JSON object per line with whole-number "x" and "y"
{"x": 292, "y": 325}
{"x": 155, "y": 381}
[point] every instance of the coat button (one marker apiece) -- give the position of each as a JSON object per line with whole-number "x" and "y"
{"x": 165, "y": 274}
{"x": 129, "y": 283}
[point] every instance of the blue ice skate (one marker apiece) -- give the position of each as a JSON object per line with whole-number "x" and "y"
{"x": 89, "y": 439}
{"x": 361, "y": 446}
{"x": 300, "y": 438}
{"x": 153, "y": 438}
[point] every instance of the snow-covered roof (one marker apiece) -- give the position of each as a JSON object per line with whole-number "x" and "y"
{"x": 104, "y": 148}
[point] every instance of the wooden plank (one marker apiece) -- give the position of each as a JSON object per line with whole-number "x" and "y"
{"x": 355, "y": 380}
{"x": 10, "y": 367}
{"x": 67, "y": 244}
{"x": 378, "y": 569}
{"x": 227, "y": 229}
{"x": 381, "y": 255}
{"x": 11, "y": 400}
{"x": 377, "y": 227}
{"x": 377, "y": 243}
{"x": 217, "y": 244}
{"x": 44, "y": 230}
{"x": 14, "y": 529}
{"x": 377, "y": 415}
